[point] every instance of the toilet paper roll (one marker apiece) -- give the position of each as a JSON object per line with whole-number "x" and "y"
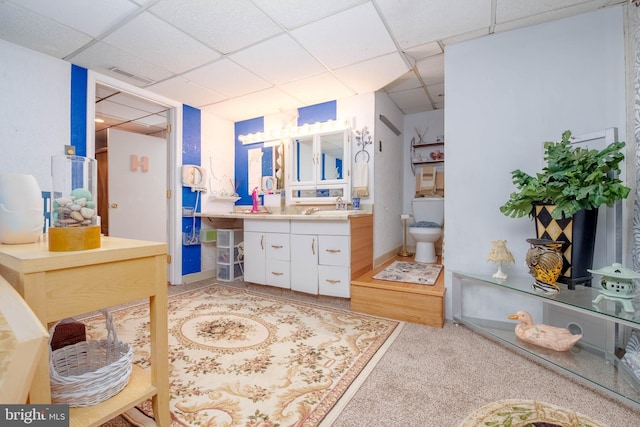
{"x": 405, "y": 216}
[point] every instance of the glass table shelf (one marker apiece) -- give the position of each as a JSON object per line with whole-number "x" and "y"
{"x": 593, "y": 365}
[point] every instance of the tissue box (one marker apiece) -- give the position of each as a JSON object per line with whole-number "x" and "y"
{"x": 272, "y": 200}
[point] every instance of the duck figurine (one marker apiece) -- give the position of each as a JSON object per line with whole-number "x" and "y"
{"x": 559, "y": 339}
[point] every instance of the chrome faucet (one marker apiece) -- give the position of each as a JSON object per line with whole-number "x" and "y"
{"x": 340, "y": 204}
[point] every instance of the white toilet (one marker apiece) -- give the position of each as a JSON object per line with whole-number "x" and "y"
{"x": 428, "y": 213}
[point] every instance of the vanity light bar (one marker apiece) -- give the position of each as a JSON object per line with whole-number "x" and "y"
{"x": 304, "y": 130}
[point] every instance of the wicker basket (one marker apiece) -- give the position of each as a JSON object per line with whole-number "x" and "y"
{"x": 92, "y": 371}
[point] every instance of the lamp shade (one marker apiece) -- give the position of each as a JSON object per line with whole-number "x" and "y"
{"x": 21, "y": 209}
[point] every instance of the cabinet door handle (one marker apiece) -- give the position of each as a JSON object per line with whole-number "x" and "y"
{"x": 276, "y": 273}
{"x": 313, "y": 246}
{"x": 333, "y": 251}
{"x": 262, "y": 242}
{"x": 333, "y": 281}
{"x": 277, "y": 246}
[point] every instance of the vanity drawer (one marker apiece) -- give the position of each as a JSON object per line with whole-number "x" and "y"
{"x": 277, "y": 246}
{"x": 333, "y": 250}
{"x": 277, "y": 274}
{"x": 334, "y": 281}
{"x": 340, "y": 228}
{"x": 266, "y": 225}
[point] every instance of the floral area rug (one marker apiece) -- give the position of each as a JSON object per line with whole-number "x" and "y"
{"x": 239, "y": 358}
{"x": 529, "y": 413}
{"x": 410, "y": 272}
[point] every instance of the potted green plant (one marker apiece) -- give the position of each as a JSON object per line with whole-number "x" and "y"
{"x": 572, "y": 186}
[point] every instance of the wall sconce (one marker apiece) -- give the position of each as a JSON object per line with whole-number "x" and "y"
{"x": 304, "y": 130}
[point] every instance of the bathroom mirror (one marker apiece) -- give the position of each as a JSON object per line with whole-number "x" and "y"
{"x": 319, "y": 167}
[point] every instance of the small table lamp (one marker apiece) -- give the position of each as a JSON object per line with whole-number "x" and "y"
{"x": 500, "y": 254}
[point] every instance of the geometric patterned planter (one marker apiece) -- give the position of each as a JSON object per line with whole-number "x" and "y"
{"x": 579, "y": 236}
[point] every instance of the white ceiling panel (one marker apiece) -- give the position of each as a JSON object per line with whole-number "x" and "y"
{"x": 102, "y": 57}
{"x": 278, "y": 60}
{"x": 159, "y": 43}
{"x": 436, "y": 91}
{"x": 189, "y": 92}
{"x": 407, "y": 81}
{"x": 359, "y": 77}
{"x": 224, "y": 25}
{"x": 20, "y": 26}
{"x": 431, "y": 69}
{"x": 254, "y": 105}
{"x": 424, "y": 50}
{"x": 294, "y": 13}
{"x": 92, "y": 17}
{"x": 415, "y": 22}
{"x": 411, "y": 99}
{"x": 346, "y": 38}
{"x": 227, "y": 78}
{"x": 317, "y": 89}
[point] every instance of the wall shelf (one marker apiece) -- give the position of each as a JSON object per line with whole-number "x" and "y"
{"x": 420, "y": 153}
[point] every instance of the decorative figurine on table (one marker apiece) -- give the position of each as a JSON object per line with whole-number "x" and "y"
{"x": 499, "y": 254}
{"x": 544, "y": 259}
{"x": 559, "y": 339}
{"x": 617, "y": 285}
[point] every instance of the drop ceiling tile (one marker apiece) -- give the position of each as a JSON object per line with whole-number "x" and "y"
{"x": 436, "y": 92}
{"x": 227, "y": 78}
{"x": 35, "y": 32}
{"x": 424, "y": 51}
{"x": 293, "y": 13}
{"x": 511, "y": 10}
{"x": 90, "y": 17}
{"x": 431, "y": 69}
{"x": 362, "y": 79}
{"x": 134, "y": 101}
{"x": 159, "y": 43}
{"x": 108, "y": 108}
{"x": 346, "y": 38}
{"x": 412, "y": 98}
{"x": 415, "y": 22}
{"x": 221, "y": 24}
{"x": 101, "y": 57}
{"x": 314, "y": 90}
{"x": 186, "y": 92}
{"x": 405, "y": 82}
{"x": 278, "y": 60}
{"x": 253, "y": 105}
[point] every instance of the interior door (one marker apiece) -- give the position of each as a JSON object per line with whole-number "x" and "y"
{"x": 137, "y": 191}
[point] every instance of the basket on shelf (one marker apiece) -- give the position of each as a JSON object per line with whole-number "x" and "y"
{"x": 92, "y": 371}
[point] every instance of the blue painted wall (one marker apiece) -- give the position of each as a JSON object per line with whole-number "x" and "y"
{"x": 191, "y": 155}
{"x": 79, "y": 109}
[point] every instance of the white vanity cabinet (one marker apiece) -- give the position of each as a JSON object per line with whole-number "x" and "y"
{"x": 321, "y": 257}
{"x": 267, "y": 252}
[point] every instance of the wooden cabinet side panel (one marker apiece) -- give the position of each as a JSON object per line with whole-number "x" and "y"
{"x": 361, "y": 245}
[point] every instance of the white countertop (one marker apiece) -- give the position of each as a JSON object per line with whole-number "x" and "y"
{"x": 324, "y": 213}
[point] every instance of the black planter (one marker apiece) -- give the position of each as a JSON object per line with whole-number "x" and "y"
{"x": 579, "y": 236}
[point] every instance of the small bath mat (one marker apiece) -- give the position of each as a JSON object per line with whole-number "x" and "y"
{"x": 411, "y": 272}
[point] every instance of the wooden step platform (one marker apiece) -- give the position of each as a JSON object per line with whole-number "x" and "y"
{"x": 408, "y": 302}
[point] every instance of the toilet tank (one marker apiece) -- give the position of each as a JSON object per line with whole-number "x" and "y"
{"x": 428, "y": 209}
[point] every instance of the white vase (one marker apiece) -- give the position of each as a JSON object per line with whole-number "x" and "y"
{"x": 21, "y": 209}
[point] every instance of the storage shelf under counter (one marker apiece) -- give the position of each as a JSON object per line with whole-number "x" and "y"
{"x": 593, "y": 360}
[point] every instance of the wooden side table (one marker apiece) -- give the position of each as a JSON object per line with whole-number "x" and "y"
{"x": 57, "y": 285}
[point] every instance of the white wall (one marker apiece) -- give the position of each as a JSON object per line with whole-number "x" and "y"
{"x": 506, "y": 94}
{"x": 388, "y": 179}
{"x": 217, "y": 153}
{"x": 34, "y": 112}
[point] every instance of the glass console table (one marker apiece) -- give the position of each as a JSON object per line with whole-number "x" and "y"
{"x": 593, "y": 362}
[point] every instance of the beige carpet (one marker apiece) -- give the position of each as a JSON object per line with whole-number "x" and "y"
{"x": 239, "y": 358}
{"x": 410, "y": 272}
{"x": 526, "y": 413}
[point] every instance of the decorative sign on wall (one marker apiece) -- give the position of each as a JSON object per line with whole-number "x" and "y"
{"x": 139, "y": 163}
